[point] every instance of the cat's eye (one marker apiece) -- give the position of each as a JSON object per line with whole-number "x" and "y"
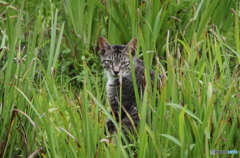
{"x": 125, "y": 63}
{"x": 108, "y": 61}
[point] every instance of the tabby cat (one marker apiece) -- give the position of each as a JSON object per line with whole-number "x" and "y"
{"x": 116, "y": 63}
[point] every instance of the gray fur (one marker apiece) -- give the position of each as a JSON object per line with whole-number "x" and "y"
{"x": 116, "y": 63}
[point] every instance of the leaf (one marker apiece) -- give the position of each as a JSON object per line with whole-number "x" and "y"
{"x": 177, "y": 106}
{"x": 175, "y": 140}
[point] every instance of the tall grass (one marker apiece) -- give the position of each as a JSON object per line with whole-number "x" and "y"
{"x": 52, "y": 87}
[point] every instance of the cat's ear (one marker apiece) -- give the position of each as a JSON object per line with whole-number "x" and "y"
{"x": 132, "y": 46}
{"x": 103, "y": 45}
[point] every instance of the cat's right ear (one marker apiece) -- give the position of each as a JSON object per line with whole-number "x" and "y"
{"x": 103, "y": 45}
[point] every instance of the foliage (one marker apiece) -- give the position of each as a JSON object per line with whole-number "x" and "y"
{"x": 52, "y": 88}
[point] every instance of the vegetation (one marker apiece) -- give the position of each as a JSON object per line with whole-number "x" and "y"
{"x": 52, "y": 87}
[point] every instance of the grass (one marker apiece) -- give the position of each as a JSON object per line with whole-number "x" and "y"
{"x": 52, "y": 87}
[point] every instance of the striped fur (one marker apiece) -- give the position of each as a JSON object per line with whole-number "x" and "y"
{"x": 116, "y": 63}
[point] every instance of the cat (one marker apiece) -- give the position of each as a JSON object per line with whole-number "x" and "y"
{"x": 116, "y": 63}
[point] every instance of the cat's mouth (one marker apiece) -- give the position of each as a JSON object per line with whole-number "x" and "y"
{"x": 116, "y": 73}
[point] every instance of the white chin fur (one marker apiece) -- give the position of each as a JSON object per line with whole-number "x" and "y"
{"x": 111, "y": 78}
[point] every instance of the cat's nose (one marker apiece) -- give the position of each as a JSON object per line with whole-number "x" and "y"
{"x": 116, "y": 72}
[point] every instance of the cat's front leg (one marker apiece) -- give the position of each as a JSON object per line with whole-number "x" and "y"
{"x": 110, "y": 126}
{"x": 130, "y": 122}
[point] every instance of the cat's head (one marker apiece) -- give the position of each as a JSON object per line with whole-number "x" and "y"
{"x": 116, "y": 58}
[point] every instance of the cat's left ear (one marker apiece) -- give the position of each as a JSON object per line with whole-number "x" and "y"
{"x": 132, "y": 46}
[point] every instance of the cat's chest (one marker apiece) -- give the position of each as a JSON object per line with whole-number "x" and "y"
{"x": 114, "y": 86}
{"x": 121, "y": 93}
